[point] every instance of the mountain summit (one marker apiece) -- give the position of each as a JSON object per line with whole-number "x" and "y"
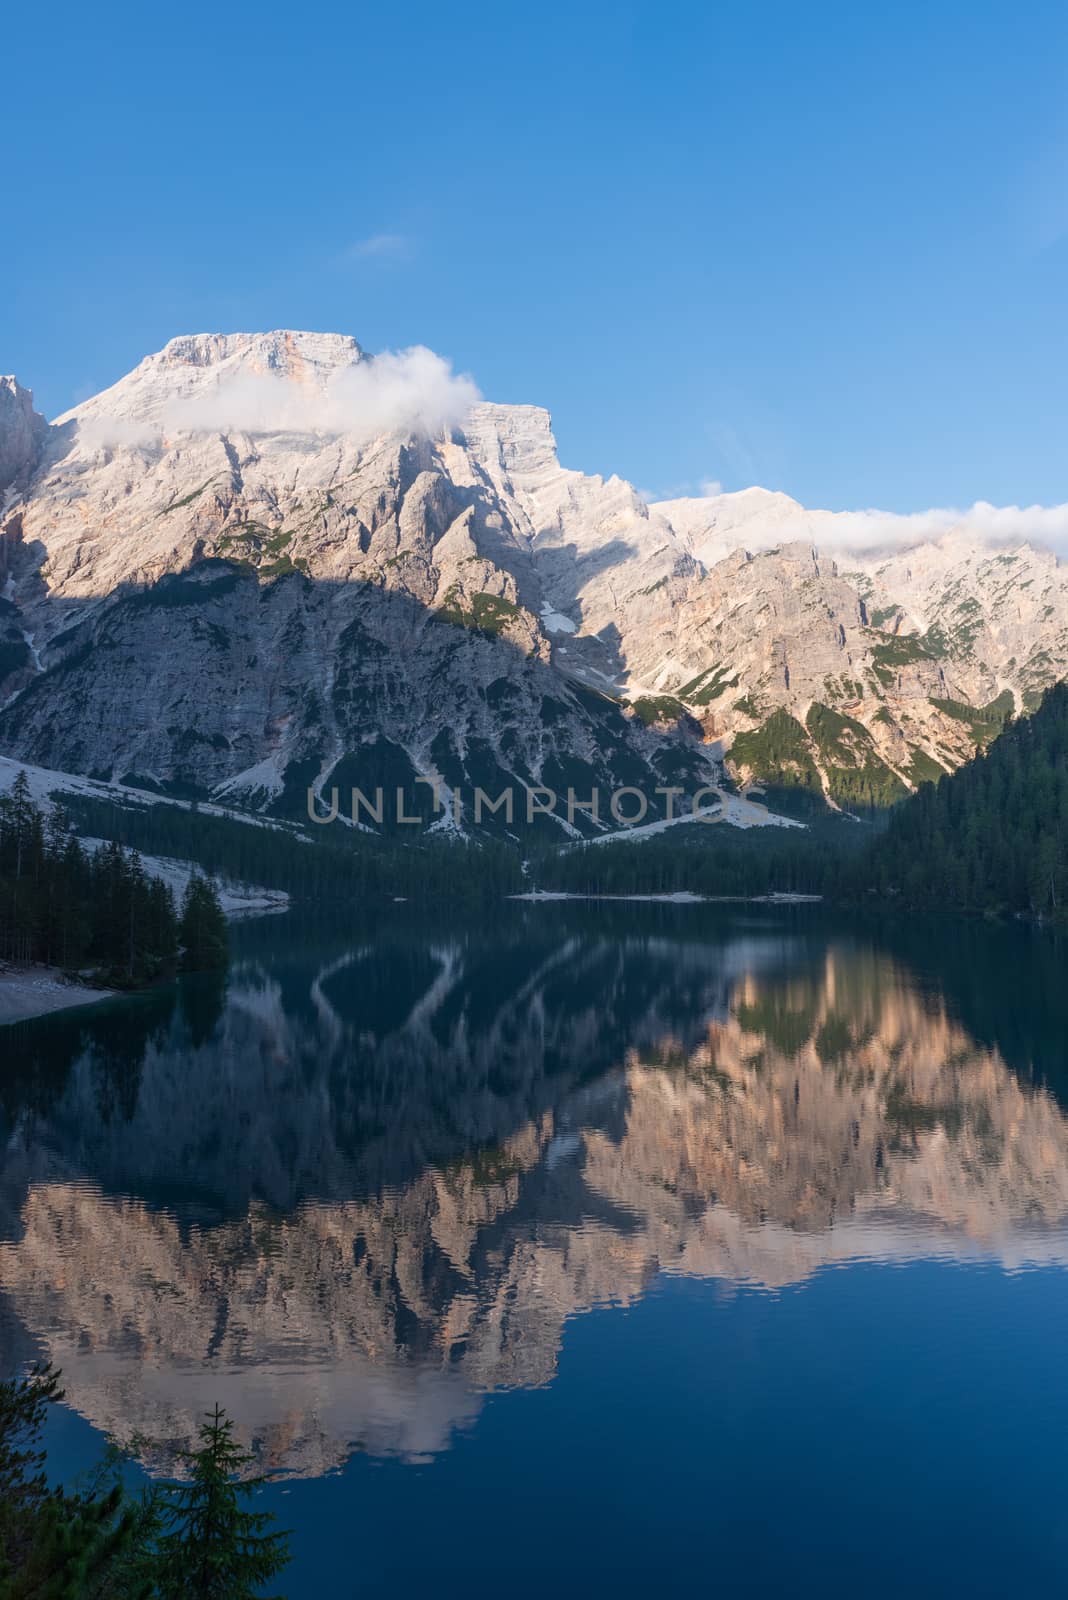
{"x": 263, "y": 561}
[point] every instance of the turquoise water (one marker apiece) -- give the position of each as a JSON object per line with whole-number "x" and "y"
{"x": 717, "y": 1250}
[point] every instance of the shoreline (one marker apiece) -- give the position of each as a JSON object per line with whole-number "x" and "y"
{"x": 679, "y": 897}
{"x": 36, "y": 991}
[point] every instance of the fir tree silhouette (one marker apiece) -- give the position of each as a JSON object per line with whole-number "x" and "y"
{"x": 202, "y": 932}
{"x": 212, "y": 1548}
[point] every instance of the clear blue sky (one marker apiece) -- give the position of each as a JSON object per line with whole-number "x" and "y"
{"x": 822, "y": 247}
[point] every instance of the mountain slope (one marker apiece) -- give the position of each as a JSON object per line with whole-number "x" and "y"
{"x": 263, "y": 562}
{"x": 923, "y": 651}
{"x": 250, "y": 612}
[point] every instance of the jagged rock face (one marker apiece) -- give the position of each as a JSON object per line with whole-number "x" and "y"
{"x": 255, "y": 612}
{"x": 416, "y": 1263}
{"x": 230, "y": 570}
{"x": 876, "y": 660}
{"x": 998, "y": 619}
{"x": 22, "y": 435}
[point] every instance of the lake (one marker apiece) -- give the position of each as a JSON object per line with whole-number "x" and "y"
{"x": 586, "y": 1249}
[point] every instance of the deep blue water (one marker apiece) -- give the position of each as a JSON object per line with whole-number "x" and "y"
{"x": 601, "y": 1251}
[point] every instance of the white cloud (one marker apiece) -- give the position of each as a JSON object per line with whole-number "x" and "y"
{"x": 394, "y": 245}
{"x": 116, "y": 433}
{"x": 755, "y": 521}
{"x": 682, "y": 491}
{"x": 885, "y": 530}
{"x": 407, "y": 391}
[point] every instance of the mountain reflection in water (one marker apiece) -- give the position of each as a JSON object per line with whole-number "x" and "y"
{"x": 348, "y": 1194}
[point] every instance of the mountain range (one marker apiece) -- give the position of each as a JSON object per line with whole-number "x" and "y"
{"x": 263, "y": 563}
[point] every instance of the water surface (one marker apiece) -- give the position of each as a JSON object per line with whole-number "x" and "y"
{"x": 603, "y": 1247}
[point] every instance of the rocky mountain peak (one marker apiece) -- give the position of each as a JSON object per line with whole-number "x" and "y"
{"x": 437, "y": 583}
{"x": 301, "y": 357}
{"x": 282, "y": 350}
{"x": 174, "y": 387}
{"x": 22, "y": 435}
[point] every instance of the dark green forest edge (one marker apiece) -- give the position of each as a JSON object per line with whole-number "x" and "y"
{"x": 989, "y": 839}
{"x": 97, "y": 915}
{"x": 992, "y": 839}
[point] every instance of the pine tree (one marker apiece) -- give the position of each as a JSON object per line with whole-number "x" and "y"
{"x": 212, "y": 1548}
{"x": 53, "y": 1545}
{"x": 202, "y": 934}
{"x": 59, "y": 906}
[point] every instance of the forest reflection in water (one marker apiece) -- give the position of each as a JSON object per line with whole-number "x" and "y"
{"x": 353, "y": 1189}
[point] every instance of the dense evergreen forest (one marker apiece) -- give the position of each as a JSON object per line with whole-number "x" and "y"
{"x": 991, "y": 838}
{"x": 324, "y": 865}
{"x": 709, "y": 858}
{"x": 79, "y": 910}
{"x": 96, "y": 912}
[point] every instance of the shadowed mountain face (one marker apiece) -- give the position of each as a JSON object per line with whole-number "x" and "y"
{"x": 357, "y": 1191}
{"x": 261, "y": 562}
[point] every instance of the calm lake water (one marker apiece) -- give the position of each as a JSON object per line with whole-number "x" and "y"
{"x": 586, "y": 1250}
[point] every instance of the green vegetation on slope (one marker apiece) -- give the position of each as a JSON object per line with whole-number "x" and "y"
{"x": 784, "y": 756}
{"x": 982, "y": 722}
{"x": 856, "y": 773}
{"x": 993, "y": 836}
{"x": 651, "y": 709}
{"x": 778, "y": 753}
{"x": 489, "y": 614}
{"x": 895, "y": 651}
{"x": 709, "y": 685}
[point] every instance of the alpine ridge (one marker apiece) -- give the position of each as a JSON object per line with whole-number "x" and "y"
{"x": 263, "y": 562}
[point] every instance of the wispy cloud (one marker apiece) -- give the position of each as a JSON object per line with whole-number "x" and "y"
{"x": 989, "y": 524}
{"x": 1040, "y": 201}
{"x": 406, "y": 391}
{"x": 381, "y": 246}
{"x": 702, "y": 489}
{"x": 755, "y": 521}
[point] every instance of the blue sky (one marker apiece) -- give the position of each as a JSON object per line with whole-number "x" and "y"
{"x": 822, "y": 247}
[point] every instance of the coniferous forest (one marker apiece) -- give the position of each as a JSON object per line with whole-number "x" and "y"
{"x": 991, "y": 838}
{"x": 94, "y": 911}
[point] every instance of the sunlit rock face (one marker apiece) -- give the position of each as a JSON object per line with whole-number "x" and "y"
{"x": 265, "y": 562}
{"x": 350, "y": 1218}
{"x": 261, "y": 561}
{"x": 22, "y": 438}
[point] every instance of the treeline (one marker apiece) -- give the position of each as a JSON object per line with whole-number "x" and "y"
{"x": 993, "y": 837}
{"x": 97, "y": 911}
{"x": 710, "y": 859}
{"x": 331, "y": 863}
{"x": 173, "y": 1541}
{"x": 68, "y": 907}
